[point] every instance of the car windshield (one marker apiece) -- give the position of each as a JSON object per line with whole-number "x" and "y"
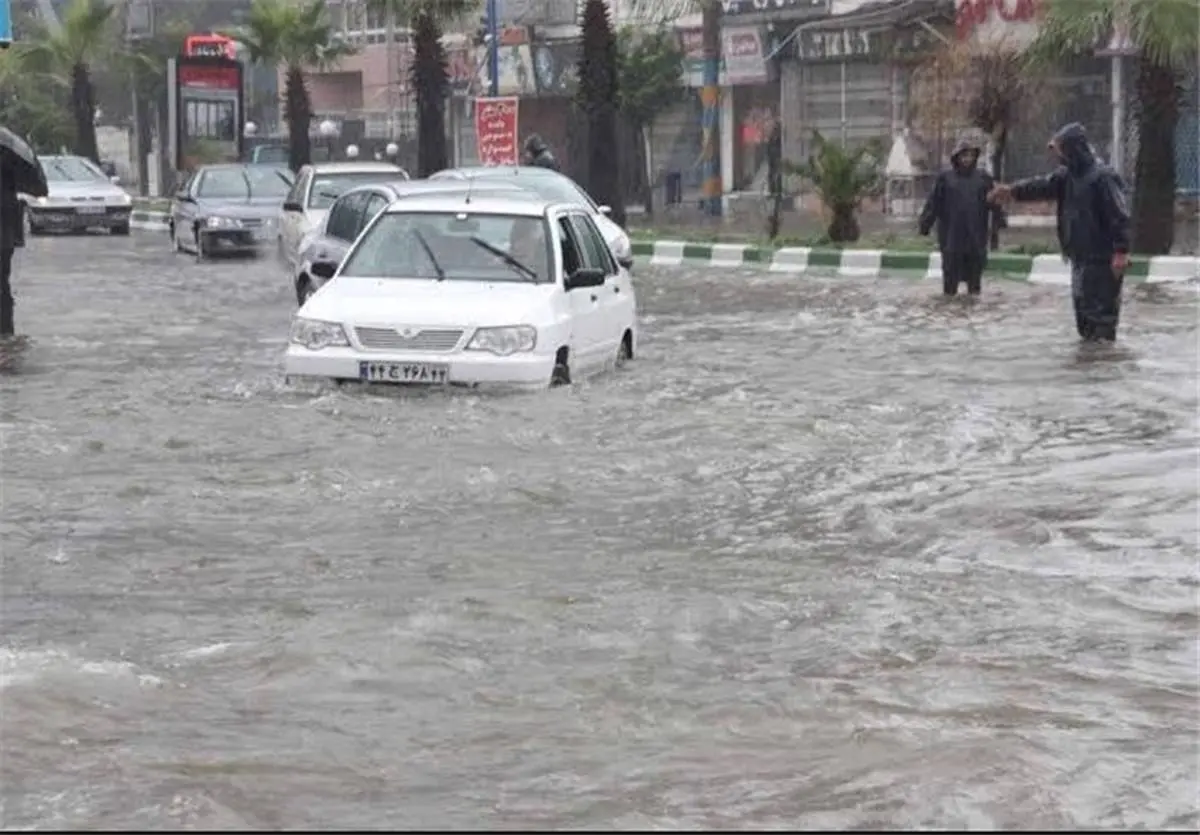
{"x": 72, "y": 170}
{"x": 550, "y": 187}
{"x": 270, "y": 153}
{"x": 243, "y": 183}
{"x": 329, "y": 187}
{"x": 465, "y": 247}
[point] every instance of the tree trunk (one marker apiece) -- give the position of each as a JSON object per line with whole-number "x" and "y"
{"x": 998, "y": 151}
{"x": 1154, "y": 174}
{"x": 775, "y": 179}
{"x": 843, "y": 227}
{"x": 298, "y": 112}
{"x": 647, "y": 137}
{"x": 430, "y": 81}
{"x": 83, "y": 111}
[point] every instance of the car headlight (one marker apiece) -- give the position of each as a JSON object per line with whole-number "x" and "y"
{"x": 315, "y": 335}
{"x": 515, "y": 339}
{"x": 42, "y": 201}
{"x": 123, "y": 199}
{"x": 218, "y": 222}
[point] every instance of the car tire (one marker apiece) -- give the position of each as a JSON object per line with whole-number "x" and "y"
{"x": 36, "y": 231}
{"x": 199, "y": 241}
{"x": 624, "y": 351}
{"x": 304, "y": 291}
{"x": 561, "y": 375}
{"x": 122, "y": 229}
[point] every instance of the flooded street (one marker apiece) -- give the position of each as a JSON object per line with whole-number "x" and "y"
{"x": 828, "y": 554}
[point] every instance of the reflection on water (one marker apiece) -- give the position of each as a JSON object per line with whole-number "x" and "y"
{"x": 830, "y": 554}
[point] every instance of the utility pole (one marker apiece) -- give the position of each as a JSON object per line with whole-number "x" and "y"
{"x": 710, "y": 97}
{"x": 493, "y": 25}
{"x": 393, "y": 81}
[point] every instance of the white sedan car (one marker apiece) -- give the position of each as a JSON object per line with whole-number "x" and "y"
{"x": 457, "y": 290}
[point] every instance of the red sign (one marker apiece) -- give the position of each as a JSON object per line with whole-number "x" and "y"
{"x": 496, "y": 130}
{"x": 210, "y": 78}
{"x": 972, "y": 13}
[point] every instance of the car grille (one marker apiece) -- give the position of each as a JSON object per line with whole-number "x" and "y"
{"x": 87, "y": 199}
{"x": 387, "y": 339}
{"x": 252, "y": 222}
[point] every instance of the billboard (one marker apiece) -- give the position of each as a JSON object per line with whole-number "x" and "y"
{"x": 205, "y": 110}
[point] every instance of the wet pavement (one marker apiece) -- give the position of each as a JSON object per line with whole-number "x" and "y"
{"x": 828, "y": 554}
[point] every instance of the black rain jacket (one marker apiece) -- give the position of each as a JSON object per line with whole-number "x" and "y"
{"x": 958, "y": 204}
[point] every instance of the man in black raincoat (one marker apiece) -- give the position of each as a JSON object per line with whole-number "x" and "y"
{"x": 12, "y": 235}
{"x": 537, "y": 152}
{"x": 958, "y": 204}
{"x": 1093, "y": 228}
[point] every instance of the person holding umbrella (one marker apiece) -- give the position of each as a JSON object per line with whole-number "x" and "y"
{"x": 20, "y": 172}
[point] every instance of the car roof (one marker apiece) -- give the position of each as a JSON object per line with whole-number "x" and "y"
{"x": 354, "y": 167}
{"x": 504, "y": 170}
{"x": 491, "y": 204}
{"x": 62, "y": 156}
{"x": 406, "y": 188}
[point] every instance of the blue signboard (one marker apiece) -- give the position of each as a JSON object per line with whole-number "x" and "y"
{"x": 5, "y": 23}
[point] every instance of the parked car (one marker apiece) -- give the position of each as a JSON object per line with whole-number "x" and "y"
{"x": 231, "y": 207}
{"x": 438, "y": 290}
{"x": 350, "y": 214}
{"x": 551, "y": 185}
{"x": 81, "y": 196}
{"x": 315, "y": 189}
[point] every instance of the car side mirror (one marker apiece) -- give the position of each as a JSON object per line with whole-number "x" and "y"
{"x": 605, "y": 210}
{"x": 323, "y": 269}
{"x": 182, "y": 196}
{"x": 626, "y": 262}
{"x": 586, "y": 277}
{"x": 114, "y": 179}
{"x": 292, "y": 206}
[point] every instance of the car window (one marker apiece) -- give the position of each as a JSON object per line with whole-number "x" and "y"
{"x": 71, "y": 170}
{"x": 466, "y": 247}
{"x": 242, "y": 182}
{"x": 329, "y": 187}
{"x": 344, "y": 220}
{"x": 549, "y": 186}
{"x": 595, "y": 250}
{"x": 571, "y": 257}
{"x": 296, "y": 194}
{"x": 376, "y": 203}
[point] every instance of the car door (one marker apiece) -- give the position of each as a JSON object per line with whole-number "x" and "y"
{"x": 587, "y": 325}
{"x": 291, "y": 221}
{"x": 183, "y": 209}
{"x": 613, "y": 309}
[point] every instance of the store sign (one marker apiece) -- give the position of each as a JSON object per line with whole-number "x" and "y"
{"x": 743, "y": 57}
{"x": 496, "y": 130}
{"x": 855, "y": 43}
{"x": 971, "y": 14}
{"x": 732, "y": 8}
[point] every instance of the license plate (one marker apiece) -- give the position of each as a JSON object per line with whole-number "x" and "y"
{"x": 90, "y": 210}
{"x": 402, "y": 372}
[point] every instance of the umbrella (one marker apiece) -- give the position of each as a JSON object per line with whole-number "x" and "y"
{"x": 17, "y": 156}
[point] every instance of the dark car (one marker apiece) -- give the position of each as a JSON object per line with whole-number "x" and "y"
{"x": 329, "y": 242}
{"x": 231, "y": 207}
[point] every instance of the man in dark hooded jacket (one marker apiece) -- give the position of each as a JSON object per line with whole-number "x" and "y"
{"x": 959, "y": 205}
{"x": 537, "y": 152}
{"x": 1093, "y": 228}
{"x": 12, "y": 235}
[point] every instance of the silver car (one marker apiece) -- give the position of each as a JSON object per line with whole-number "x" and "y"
{"x": 81, "y": 196}
{"x": 228, "y": 208}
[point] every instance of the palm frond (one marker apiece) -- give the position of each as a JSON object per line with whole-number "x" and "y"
{"x": 1167, "y": 32}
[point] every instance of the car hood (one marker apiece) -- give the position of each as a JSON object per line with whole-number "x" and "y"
{"x": 58, "y": 190}
{"x": 241, "y": 208}
{"x": 395, "y": 302}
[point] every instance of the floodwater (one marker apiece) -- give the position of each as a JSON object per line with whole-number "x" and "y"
{"x": 828, "y": 554}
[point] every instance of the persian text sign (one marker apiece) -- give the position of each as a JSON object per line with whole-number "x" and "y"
{"x": 496, "y": 130}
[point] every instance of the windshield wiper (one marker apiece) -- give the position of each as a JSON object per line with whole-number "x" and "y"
{"x": 441, "y": 274}
{"x": 517, "y": 265}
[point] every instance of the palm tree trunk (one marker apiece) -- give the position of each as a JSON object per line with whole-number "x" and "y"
{"x": 298, "y": 112}
{"x": 430, "y": 81}
{"x": 1154, "y": 172}
{"x": 83, "y": 112}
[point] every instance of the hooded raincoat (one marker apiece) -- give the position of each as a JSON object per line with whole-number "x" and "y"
{"x": 1093, "y": 226}
{"x": 958, "y": 206}
{"x": 538, "y": 153}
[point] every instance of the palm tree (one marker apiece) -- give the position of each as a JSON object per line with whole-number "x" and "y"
{"x": 426, "y": 19}
{"x": 66, "y": 56}
{"x": 298, "y": 36}
{"x": 1164, "y": 35}
{"x": 598, "y": 96}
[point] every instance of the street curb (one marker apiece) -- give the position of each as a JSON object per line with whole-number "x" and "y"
{"x": 877, "y": 263}
{"x": 148, "y": 221}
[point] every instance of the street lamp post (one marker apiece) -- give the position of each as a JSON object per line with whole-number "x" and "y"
{"x": 328, "y": 131}
{"x": 493, "y": 46}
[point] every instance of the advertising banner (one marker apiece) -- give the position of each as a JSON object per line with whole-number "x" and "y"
{"x": 496, "y": 130}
